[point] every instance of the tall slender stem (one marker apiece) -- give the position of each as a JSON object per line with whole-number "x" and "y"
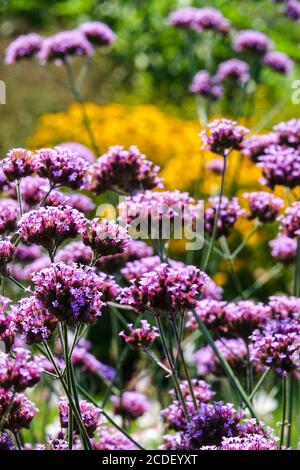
{"x": 284, "y": 400}
{"x": 69, "y": 383}
{"x": 259, "y": 383}
{"x": 291, "y": 384}
{"x": 19, "y": 196}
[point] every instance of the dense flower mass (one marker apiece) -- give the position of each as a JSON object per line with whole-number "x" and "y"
{"x": 91, "y": 416}
{"x": 24, "y": 47}
{"x": 165, "y": 291}
{"x": 279, "y": 62}
{"x": 265, "y": 206}
{"x": 292, "y": 9}
{"x": 283, "y": 306}
{"x": 283, "y": 248}
{"x": 200, "y": 19}
{"x": 6, "y": 442}
{"x": 288, "y": 132}
{"x": 205, "y": 85}
{"x": 140, "y": 337}
{"x": 211, "y": 312}
{"x": 99, "y": 34}
{"x": 7, "y": 325}
{"x": 111, "y": 439}
{"x": 62, "y": 166}
{"x": 70, "y": 293}
{"x": 18, "y": 163}
{"x": 33, "y": 321}
{"x": 9, "y": 212}
{"x": 83, "y": 359}
{"x": 252, "y": 41}
{"x": 131, "y": 405}
{"x": 290, "y": 221}
{"x": 125, "y": 171}
{"x": 50, "y": 226}
{"x": 247, "y": 442}
{"x": 255, "y": 146}
{"x": 245, "y": 316}
{"x": 19, "y": 372}
{"x": 63, "y": 46}
{"x": 19, "y": 410}
{"x": 280, "y": 166}
{"x": 222, "y": 136}
{"x": 228, "y": 214}
{"x": 234, "y": 69}
{"x": 75, "y": 252}
{"x": 6, "y": 255}
{"x": 105, "y": 237}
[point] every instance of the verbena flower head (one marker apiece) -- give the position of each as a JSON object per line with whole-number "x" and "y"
{"x": 165, "y": 291}
{"x": 137, "y": 268}
{"x": 205, "y": 85}
{"x": 279, "y": 62}
{"x": 280, "y": 166}
{"x": 228, "y": 214}
{"x": 182, "y": 17}
{"x": 18, "y": 163}
{"x": 33, "y": 321}
{"x": 105, "y": 237}
{"x": 124, "y": 171}
{"x": 292, "y": 9}
{"x": 247, "y": 442}
{"x": 50, "y": 226}
{"x": 88, "y": 363}
{"x": 24, "y": 47}
{"x": 255, "y": 146}
{"x": 9, "y": 212}
{"x": 33, "y": 189}
{"x": 19, "y": 372}
{"x": 250, "y": 40}
{"x": 244, "y": 317}
{"x": 63, "y": 46}
{"x": 290, "y": 221}
{"x": 210, "y": 18}
{"x": 140, "y": 337}
{"x": 84, "y": 152}
{"x": 62, "y": 166}
{"x": 75, "y": 252}
{"x": 70, "y": 293}
{"x": 288, "y": 132}
{"x": 265, "y": 206}
{"x": 20, "y": 411}
{"x": 131, "y": 405}
{"x": 283, "y": 306}
{"x": 277, "y": 345}
{"x": 222, "y": 136}
{"x": 91, "y": 416}
{"x": 7, "y": 326}
{"x": 6, "y": 255}
{"x": 212, "y": 291}
{"x": 99, "y": 34}
{"x": 111, "y": 439}
{"x": 135, "y": 249}
{"x": 211, "y": 312}
{"x": 233, "y": 69}
{"x": 81, "y": 202}
{"x": 6, "y": 442}
{"x": 233, "y": 350}
{"x": 283, "y": 248}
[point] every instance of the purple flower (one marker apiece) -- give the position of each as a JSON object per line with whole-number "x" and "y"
{"x": 134, "y": 250}
{"x": 228, "y": 214}
{"x": 33, "y": 189}
{"x": 165, "y": 291}
{"x": 7, "y": 326}
{"x": 222, "y": 136}
{"x": 24, "y": 47}
{"x": 124, "y": 171}
{"x": 87, "y": 362}
{"x": 212, "y": 291}
{"x": 81, "y": 202}
{"x": 283, "y": 306}
{"x": 62, "y": 166}
{"x": 18, "y": 163}
{"x": 9, "y": 212}
{"x": 280, "y": 166}
{"x": 64, "y": 45}
{"x": 250, "y": 40}
{"x": 131, "y": 405}
{"x": 58, "y": 444}
{"x": 216, "y": 165}
{"x": 91, "y": 416}
{"x": 24, "y": 273}
{"x": 279, "y": 62}
{"x": 183, "y": 17}
{"x": 33, "y": 321}
{"x": 290, "y": 221}
{"x": 21, "y": 410}
{"x": 210, "y": 18}
{"x": 50, "y": 226}
{"x": 205, "y": 85}
{"x": 99, "y": 34}
{"x": 277, "y": 345}
{"x": 105, "y": 237}
{"x": 288, "y": 132}
{"x": 264, "y": 206}
{"x": 247, "y": 442}
{"x": 6, "y": 255}
{"x": 84, "y": 152}
{"x": 27, "y": 252}
{"x": 243, "y": 317}
{"x": 70, "y": 293}
{"x": 6, "y": 442}
{"x": 75, "y": 252}
{"x": 211, "y": 312}
{"x": 140, "y": 337}
{"x": 255, "y": 146}
{"x": 233, "y": 69}
{"x": 283, "y": 248}
{"x": 111, "y": 439}
{"x": 233, "y": 350}
{"x": 20, "y": 372}
{"x": 292, "y": 9}
{"x": 137, "y": 268}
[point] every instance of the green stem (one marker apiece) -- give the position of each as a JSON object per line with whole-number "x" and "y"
{"x": 259, "y": 383}
{"x": 19, "y": 196}
{"x": 284, "y": 400}
{"x": 291, "y": 384}
{"x": 69, "y": 383}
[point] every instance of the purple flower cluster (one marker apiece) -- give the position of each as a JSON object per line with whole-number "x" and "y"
{"x": 6, "y": 255}
{"x": 165, "y": 291}
{"x": 7, "y": 325}
{"x": 24, "y": 47}
{"x": 279, "y": 62}
{"x": 135, "y": 250}
{"x": 91, "y": 416}
{"x": 211, "y": 312}
{"x": 283, "y": 306}
{"x": 87, "y": 362}
{"x": 111, "y": 439}
{"x": 19, "y": 410}
{"x": 247, "y": 442}
{"x": 84, "y": 152}
{"x": 255, "y": 146}
{"x": 124, "y": 171}
{"x": 105, "y": 237}
{"x": 64, "y": 45}
{"x": 140, "y": 337}
{"x": 290, "y": 221}
{"x": 9, "y": 212}
{"x": 18, "y": 163}
{"x": 245, "y": 316}
{"x": 6, "y": 442}
{"x": 70, "y": 293}
{"x": 280, "y": 166}
{"x": 75, "y": 252}
{"x": 131, "y": 405}
{"x": 288, "y": 132}
{"x": 228, "y": 214}
{"x": 250, "y": 40}
{"x": 205, "y": 85}
{"x": 50, "y": 226}
{"x": 97, "y": 33}
{"x": 234, "y": 69}
{"x": 20, "y": 372}
{"x": 200, "y": 19}
{"x": 277, "y": 345}
{"x": 265, "y": 206}
{"x": 292, "y": 9}
{"x": 222, "y": 136}
{"x": 283, "y": 248}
